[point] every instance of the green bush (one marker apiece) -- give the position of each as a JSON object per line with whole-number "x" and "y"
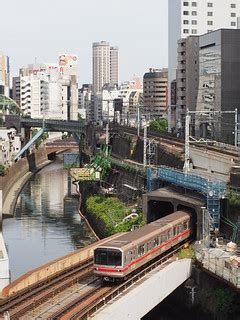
{"x": 110, "y": 212}
{"x": 160, "y": 125}
{"x": 234, "y": 199}
{"x": 2, "y": 170}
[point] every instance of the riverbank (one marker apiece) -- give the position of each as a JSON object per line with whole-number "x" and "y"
{"x": 12, "y": 195}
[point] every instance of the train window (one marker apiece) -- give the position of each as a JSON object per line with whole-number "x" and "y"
{"x": 185, "y": 226}
{"x": 141, "y": 250}
{"x": 131, "y": 254}
{"x": 163, "y": 238}
{"x": 155, "y": 242}
{"x": 149, "y": 245}
{"x": 178, "y": 230}
{"x": 108, "y": 257}
{"x": 169, "y": 234}
{"x": 175, "y": 231}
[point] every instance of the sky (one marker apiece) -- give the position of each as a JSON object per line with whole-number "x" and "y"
{"x": 43, "y": 29}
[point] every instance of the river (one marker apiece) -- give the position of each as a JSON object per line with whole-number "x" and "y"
{"x": 46, "y": 224}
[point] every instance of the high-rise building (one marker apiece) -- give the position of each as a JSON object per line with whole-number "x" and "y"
{"x": 16, "y": 89}
{"x": 187, "y": 79}
{"x": 219, "y": 81}
{"x": 114, "y": 67}
{"x": 155, "y": 92}
{"x": 4, "y": 74}
{"x": 105, "y": 65}
{"x": 50, "y": 90}
{"x": 187, "y": 18}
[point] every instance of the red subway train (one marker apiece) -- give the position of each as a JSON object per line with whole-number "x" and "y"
{"x": 119, "y": 257}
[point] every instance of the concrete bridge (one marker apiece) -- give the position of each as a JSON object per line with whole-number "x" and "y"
{"x": 18, "y": 122}
{"x": 140, "y": 298}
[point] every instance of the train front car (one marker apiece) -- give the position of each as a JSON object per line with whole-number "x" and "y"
{"x": 108, "y": 263}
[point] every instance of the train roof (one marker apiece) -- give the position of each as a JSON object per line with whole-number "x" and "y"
{"x": 145, "y": 232}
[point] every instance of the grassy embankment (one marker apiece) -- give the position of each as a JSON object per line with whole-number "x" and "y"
{"x": 109, "y": 212}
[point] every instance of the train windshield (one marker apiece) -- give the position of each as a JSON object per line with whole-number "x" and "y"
{"x": 108, "y": 257}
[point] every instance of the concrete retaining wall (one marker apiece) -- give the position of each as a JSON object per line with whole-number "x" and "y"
{"x": 52, "y": 268}
{"x": 20, "y": 171}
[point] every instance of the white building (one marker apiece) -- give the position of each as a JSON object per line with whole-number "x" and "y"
{"x": 105, "y": 65}
{"x": 50, "y": 90}
{"x": 104, "y": 101}
{"x": 195, "y": 18}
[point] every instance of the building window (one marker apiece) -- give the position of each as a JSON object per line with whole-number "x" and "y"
{"x": 194, "y": 22}
{"x": 233, "y": 24}
{"x": 194, "y": 31}
{"x": 233, "y": 14}
{"x": 209, "y": 31}
{"x": 233, "y": 5}
{"x": 194, "y": 4}
{"x": 185, "y": 13}
{"x": 185, "y": 22}
{"x": 185, "y": 3}
{"x": 210, "y": 23}
{"x": 210, "y": 4}
{"x": 194, "y": 13}
{"x": 210, "y": 13}
{"x": 185, "y": 31}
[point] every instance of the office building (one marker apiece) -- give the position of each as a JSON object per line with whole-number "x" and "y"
{"x": 219, "y": 83}
{"x": 187, "y": 79}
{"x": 155, "y": 93}
{"x": 187, "y": 18}
{"x": 105, "y": 65}
{"x": 16, "y": 89}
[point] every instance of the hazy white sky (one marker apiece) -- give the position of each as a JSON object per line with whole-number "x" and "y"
{"x": 46, "y": 28}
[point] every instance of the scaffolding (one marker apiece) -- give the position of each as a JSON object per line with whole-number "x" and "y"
{"x": 214, "y": 191}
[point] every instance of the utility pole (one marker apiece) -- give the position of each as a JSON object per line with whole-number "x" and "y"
{"x": 107, "y": 130}
{"x": 145, "y": 144}
{"x": 236, "y": 129}
{"x": 138, "y": 120}
{"x": 187, "y": 144}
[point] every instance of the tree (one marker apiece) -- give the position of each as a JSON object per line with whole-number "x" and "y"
{"x": 160, "y": 125}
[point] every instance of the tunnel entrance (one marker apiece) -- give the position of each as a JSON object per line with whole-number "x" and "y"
{"x": 161, "y": 202}
{"x": 158, "y": 209}
{"x": 193, "y": 217}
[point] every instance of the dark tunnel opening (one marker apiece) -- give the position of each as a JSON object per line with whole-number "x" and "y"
{"x": 158, "y": 209}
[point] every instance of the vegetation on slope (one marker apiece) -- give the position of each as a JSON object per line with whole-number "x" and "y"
{"x": 110, "y": 212}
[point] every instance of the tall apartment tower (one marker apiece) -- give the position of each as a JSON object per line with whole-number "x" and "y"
{"x": 187, "y": 18}
{"x": 105, "y": 65}
{"x": 155, "y": 92}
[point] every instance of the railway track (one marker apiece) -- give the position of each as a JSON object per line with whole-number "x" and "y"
{"x": 74, "y": 295}
{"x": 85, "y": 305}
{"x": 178, "y": 142}
{"x": 19, "y": 305}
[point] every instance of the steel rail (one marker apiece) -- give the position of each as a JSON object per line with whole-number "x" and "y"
{"x": 24, "y": 302}
{"x": 79, "y": 311}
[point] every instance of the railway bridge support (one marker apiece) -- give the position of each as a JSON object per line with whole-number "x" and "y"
{"x": 147, "y": 293}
